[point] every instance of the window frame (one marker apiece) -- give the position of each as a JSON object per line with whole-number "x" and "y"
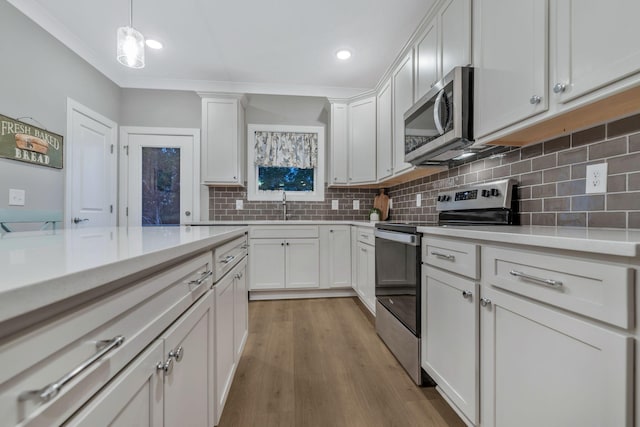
{"x": 253, "y": 194}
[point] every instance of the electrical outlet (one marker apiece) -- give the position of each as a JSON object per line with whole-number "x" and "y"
{"x": 239, "y": 205}
{"x": 334, "y": 205}
{"x": 597, "y": 178}
{"x": 418, "y": 200}
{"x": 16, "y": 197}
{"x": 356, "y": 205}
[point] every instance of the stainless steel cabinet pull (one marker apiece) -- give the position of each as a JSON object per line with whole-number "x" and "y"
{"x": 535, "y": 99}
{"x": 177, "y": 353}
{"x": 548, "y": 282}
{"x": 445, "y": 256}
{"x": 202, "y": 278}
{"x": 50, "y": 391}
{"x": 228, "y": 259}
{"x": 559, "y": 88}
{"x": 166, "y": 367}
{"x": 485, "y": 302}
{"x": 467, "y": 294}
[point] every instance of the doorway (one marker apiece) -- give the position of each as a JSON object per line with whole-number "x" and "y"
{"x": 160, "y": 174}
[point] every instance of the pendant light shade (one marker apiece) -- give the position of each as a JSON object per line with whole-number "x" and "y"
{"x": 130, "y": 51}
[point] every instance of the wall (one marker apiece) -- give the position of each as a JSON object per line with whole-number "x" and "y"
{"x": 160, "y": 108}
{"x": 37, "y": 75}
{"x": 551, "y": 178}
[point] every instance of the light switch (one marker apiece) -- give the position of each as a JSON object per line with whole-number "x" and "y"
{"x": 356, "y": 205}
{"x": 418, "y": 200}
{"x": 334, "y": 205}
{"x": 239, "y": 205}
{"x": 16, "y": 197}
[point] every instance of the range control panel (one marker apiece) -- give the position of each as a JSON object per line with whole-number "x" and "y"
{"x": 488, "y": 195}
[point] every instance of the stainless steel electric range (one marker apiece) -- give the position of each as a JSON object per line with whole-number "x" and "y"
{"x": 398, "y": 263}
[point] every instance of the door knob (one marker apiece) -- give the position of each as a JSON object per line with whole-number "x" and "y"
{"x": 77, "y": 220}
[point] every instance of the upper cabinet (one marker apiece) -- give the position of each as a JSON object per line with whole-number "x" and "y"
{"x": 402, "y": 100}
{"x": 511, "y": 62}
{"x": 596, "y": 44}
{"x": 362, "y": 141}
{"x": 223, "y": 140}
{"x": 384, "y": 144}
{"x": 339, "y": 133}
{"x": 427, "y": 60}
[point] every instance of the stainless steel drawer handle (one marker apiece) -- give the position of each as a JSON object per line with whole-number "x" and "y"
{"x": 228, "y": 259}
{"x": 445, "y": 256}
{"x": 548, "y": 282}
{"x": 202, "y": 278}
{"x": 50, "y": 391}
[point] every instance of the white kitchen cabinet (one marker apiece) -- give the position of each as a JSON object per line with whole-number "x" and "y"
{"x": 291, "y": 261}
{"x": 224, "y": 341}
{"x": 402, "y": 101}
{"x": 510, "y": 59}
{"x": 241, "y": 309}
{"x": 366, "y": 275}
{"x": 336, "y": 255}
{"x": 450, "y": 340}
{"x": 542, "y": 367}
{"x": 339, "y": 143}
{"x": 223, "y": 140}
{"x": 384, "y": 137}
{"x": 362, "y": 141}
{"x": 427, "y": 60}
{"x": 596, "y": 44}
{"x": 454, "y": 20}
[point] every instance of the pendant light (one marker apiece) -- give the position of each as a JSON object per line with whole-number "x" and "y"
{"x": 130, "y": 51}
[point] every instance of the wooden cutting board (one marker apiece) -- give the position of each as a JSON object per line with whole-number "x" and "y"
{"x": 381, "y": 202}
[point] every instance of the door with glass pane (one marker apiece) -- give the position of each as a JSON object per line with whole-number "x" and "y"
{"x": 161, "y": 179}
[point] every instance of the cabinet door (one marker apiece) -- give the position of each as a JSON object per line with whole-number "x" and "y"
{"x": 541, "y": 367}
{"x": 511, "y": 62}
{"x": 220, "y": 148}
{"x": 596, "y": 44}
{"x": 133, "y": 398}
{"x": 266, "y": 263}
{"x": 452, "y": 337}
{"x": 371, "y": 279}
{"x": 455, "y": 30}
{"x": 302, "y": 263}
{"x": 340, "y": 256}
{"x": 354, "y": 257}
{"x": 362, "y": 141}
{"x": 224, "y": 345}
{"x": 188, "y": 386}
{"x": 427, "y": 60}
{"x": 402, "y": 101}
{"x": 339, "y": 148}
{"x": 384, "y": 146}
{"x": 241, "y": 311}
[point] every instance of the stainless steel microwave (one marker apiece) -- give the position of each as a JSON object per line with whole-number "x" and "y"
{"x": 439, "y": 126}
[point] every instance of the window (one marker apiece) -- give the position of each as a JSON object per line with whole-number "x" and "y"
{"x": 285, "y": 158}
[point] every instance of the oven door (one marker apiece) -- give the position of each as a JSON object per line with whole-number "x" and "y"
{"x": 398, "y": 277}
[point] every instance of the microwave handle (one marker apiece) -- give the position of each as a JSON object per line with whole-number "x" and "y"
{"x": 436, "y": 112}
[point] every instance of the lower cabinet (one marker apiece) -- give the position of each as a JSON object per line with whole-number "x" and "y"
{"x": 335, "y": 256}
{"x": 450, "y": 340}
{"x": 542, "y": 367}
{"x": 167, "y": 385}
{"x": 366, "y": 277}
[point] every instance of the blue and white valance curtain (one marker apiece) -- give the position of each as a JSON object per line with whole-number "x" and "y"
{"x": 286, "y": 149}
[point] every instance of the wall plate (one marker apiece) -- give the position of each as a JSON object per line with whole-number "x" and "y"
{"x": 596, "y": 178}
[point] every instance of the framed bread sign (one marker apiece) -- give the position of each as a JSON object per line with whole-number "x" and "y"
{"x": 27, "y": 143}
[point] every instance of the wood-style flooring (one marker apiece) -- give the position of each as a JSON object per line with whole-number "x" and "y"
{"x": 319, "y": 363}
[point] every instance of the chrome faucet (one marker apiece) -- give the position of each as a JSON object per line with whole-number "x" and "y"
{"x": 284, "y": 206}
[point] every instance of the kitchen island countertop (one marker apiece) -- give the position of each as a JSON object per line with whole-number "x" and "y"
{"x": 40, "y": 268}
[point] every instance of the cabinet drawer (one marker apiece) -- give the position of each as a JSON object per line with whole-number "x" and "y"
{"x": 284, "y": 232}
{"x": 594, "y": 289}
{"x": 228, "y": 255}
{"x": 365, "y": 235}
{"x": 453, "y": 255}
{"x": 138, "y": 312}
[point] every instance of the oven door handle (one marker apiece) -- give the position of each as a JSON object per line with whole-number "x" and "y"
{"x": 407, "y": 239}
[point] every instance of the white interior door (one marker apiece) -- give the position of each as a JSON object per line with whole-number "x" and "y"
{"x": 162, "y": 180}
{"x": 92, "y": 167}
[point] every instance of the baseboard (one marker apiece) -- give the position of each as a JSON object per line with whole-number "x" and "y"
{"x": 454, "y": 407}
{"x": 300, "y": 294}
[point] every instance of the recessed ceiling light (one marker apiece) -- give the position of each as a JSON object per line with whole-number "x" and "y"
{"x": 153, "y": 44}
{"x": 343, "y": 54}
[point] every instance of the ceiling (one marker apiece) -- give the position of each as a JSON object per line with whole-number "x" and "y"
{"x": 259, "y": 46}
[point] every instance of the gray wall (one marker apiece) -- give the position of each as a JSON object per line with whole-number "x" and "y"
{"x": 38, "y": 73}
{"x": 160, "y": 108}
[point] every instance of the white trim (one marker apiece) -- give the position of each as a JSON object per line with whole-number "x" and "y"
{"x": 255, "y": 295}
{"x": 319, "y": 178}
{"x": 125, "y": 132}
{"x": 72, "y": 106}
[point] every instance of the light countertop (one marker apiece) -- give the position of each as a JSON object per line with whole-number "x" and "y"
{"x": 44, "y": 267}
{"x": 594, "y": 240}
{"x": 289, "y": 222}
